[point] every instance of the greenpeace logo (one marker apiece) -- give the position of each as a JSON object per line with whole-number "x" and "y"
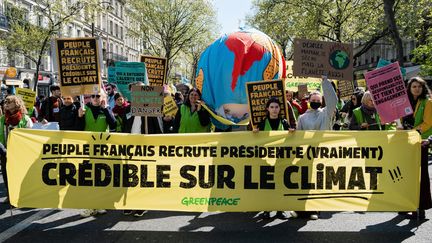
{"x": 218, "y": 201}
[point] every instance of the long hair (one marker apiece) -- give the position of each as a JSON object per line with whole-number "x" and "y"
{"x": 19, "y": 104}
{"x": 425, "y": 91}
{"x": 187, "y": 101}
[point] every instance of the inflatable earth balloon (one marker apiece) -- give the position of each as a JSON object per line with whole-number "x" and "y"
{"x": 231, "y": 61}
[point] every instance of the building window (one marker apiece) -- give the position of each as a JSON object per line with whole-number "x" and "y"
{"x": 121, "y": 33}
{"x": 78, "y": 33}
{"x": 116, "y": 30}
{"x": 111, "y": 27}
{"x": 70, "y": 31}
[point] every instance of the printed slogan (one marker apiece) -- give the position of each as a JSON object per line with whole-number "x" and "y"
{"x": 78, "y": 65}
{"x": 241, "y": 171}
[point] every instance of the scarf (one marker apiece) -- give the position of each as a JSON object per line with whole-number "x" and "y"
{"x": 120, "y": 110}
{"x": 13, "y": 119}
{"x": 367, "y": 110}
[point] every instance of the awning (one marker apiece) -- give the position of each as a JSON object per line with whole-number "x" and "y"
{"x": 412, "y": 71}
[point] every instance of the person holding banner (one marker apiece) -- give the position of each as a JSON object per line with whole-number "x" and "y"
{"x": 95, "y": 116}
{"x": 119, "y": 111}
{"x": 352, "y": 104}
{"x": 191, "y": 117}
{"x": 15, "y": 116}
{"x": 421, "y": 120}
{"x": 317, "y": 118}
{"x": 273, "y": 122}
{"x": 68, "y": 114}
{"x": 366, "y": 116}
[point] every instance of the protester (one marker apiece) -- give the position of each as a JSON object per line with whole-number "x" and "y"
{"x": 120, "y": 109}
{"x": 15, "y": 116}
{"x": 191, "y": 117}
{"x": 68, "y": 114}
{"x": 366, "y": 116}
{"x": 317, "y": 118}
{"x": 111, "y": 90}
{"x": 273, "y": 122}
{"x": 347, "y": 109}
{"x": 421, "y": 120}
{"x": 297, "y": 108}
{"x": 178, "y": 97}
{"x": 141, "y": 125}
{"x": 96, "y": 117}
{"x": 50, "y": 109}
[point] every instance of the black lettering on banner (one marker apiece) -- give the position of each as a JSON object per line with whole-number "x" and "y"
{"x": 116, "y": 177}
{"x": 356, "y": 178}
{"x": 225, "y": 179}
{"x": 161, "y": 176}
{"x": 84, "y": 173}
{"x": 130, "y": 178}
{"x": 320, "y": 176}
{"x": 333, "y": 178}
{"x": 45, "y": 174}
{"x": 373, "y": 171}
{"x": 67, "y": 173}
{"x": 210, "y": 176}
{"x": 287, "y": 177}
{"x": 144, "y": 177}
{"x": 184, "y": 172}
{"x": 100, "y": 169}
{"x": 248, "y": 184}
{"x": 267, "y": 175}
{"x": 305, "y": 184}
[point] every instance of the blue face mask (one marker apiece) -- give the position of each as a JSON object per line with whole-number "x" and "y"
{"x": 315, "y": 105}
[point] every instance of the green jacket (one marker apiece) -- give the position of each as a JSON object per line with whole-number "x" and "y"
{"x": 21, "y": 124}
{"x": 189, "y": 122}
{"x": 92, "y": 125}
{"x": 419, "y": 118}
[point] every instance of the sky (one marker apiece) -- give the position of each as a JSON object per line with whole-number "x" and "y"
{"x": 230, "y": 12}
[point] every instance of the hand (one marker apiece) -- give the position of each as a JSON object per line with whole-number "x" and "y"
{"x": 198, "y": 104}
{"x": 291, "y": 130}
{"x": 81, "y": 112}
{"x": 364, "y": 125}
{"x": 104, "y": 103}
{"x": 255, "y": 130}
{"x": 44, "y": 121}
{"x": 167, "y": 118}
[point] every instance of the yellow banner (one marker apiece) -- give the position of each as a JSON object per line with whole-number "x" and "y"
{"x": 238, "y": 172}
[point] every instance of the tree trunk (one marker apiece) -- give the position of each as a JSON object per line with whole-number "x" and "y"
{"x": 391, "y": 22}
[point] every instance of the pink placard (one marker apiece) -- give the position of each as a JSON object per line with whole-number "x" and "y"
{"x": 388, "y": 92}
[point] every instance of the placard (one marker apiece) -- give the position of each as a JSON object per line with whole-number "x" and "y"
{"x": 147, "y": 100}
{"x": 388, "y": 92}
{"x": 259, "y": 93}
{"x": 316, "y": 58}
{"x": 156, "y": 69}
{"x": 78, "y": 65}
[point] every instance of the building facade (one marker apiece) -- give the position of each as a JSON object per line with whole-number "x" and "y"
{"x": 111, "y": 23}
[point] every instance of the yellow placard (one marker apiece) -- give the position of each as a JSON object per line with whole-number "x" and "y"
{"x": 170, "y": 106}
{"x": 28, "y": 96}
{"x": 238, "y": 171}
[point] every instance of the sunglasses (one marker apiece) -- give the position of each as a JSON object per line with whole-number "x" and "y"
{"x": 95, "y": 96}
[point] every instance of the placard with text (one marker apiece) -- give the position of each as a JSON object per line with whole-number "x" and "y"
{"x": 156, "y": 69}
{"x": 78, "y": 65}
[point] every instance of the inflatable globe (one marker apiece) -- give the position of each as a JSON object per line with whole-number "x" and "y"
{"x": 231, "y": 61}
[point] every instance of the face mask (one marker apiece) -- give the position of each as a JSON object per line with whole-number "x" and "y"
{"x": 315, "y": 105}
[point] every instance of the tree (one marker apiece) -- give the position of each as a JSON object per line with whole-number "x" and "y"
{"x": 172, "y": 25}
{"x": 366, "y": 21}
{"x": 423, "y": 30}
{"x": 33, "y": 40}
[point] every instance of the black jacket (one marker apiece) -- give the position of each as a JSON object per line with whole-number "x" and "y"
{"x": 69, "y": 118}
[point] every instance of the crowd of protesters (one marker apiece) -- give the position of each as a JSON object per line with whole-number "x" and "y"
{"x": 109, "y": 110}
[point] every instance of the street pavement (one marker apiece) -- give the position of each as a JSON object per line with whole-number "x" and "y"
{"x": 50, "y": 225}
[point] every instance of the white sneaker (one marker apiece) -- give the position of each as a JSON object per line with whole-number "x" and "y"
{"x": 314, "y": 216}
{"x": 101, "y": 211}
{"x": 293, "y": 214}
{"x": 88, "y": 212}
